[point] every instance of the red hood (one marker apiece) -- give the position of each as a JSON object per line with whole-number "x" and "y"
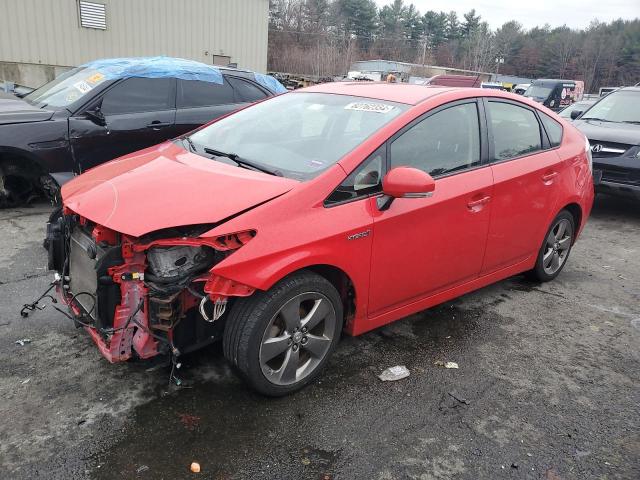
{"x": 166, "y": 186}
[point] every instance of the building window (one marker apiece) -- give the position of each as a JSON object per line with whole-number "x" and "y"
{"x": 222, "y": 60}
{"x": 93, "y": 15}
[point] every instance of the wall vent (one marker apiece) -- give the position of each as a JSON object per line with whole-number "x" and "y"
{"x": 93, "y": 15}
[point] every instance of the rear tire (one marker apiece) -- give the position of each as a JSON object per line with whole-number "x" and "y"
{"x": 281, "y": 339}
{"x": 555, "y": 249}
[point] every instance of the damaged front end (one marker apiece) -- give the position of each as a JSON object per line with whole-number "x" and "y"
{"x": 140, "y": 297}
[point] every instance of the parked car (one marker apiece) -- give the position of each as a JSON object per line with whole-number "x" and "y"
{"x": 580, "y": 106}
{"x": 612, "y": 126}
{"x": 521, "y": 88}
{"x": 555, "y": 94}
{"x": 108, "y": 108}
{"x": 340, "y": 206}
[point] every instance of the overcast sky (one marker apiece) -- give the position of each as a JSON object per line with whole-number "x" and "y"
{"x": 531, "y": 13}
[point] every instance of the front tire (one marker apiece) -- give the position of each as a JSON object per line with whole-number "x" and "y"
{"x": 555, "y": 248}
{"x": 281, "y": 339}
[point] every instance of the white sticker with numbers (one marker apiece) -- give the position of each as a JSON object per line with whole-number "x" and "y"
{"x": 370, "y": 107}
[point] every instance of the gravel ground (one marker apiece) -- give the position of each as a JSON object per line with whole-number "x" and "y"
{"x": 548, "y": 386}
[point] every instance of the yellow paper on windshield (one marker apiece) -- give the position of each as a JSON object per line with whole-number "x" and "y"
{"x": 95, "y": 78}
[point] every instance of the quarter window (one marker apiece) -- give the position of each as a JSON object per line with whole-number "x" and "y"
{"x": 196, "y": 93}
{"x": 516, "y": 130}
{"x": 363, "y": 181}
{"x": 246, "y": 91}
{"x": 135, "y": 95}
{"x": 445, "y": 142}
{"x": 553, "y": 128}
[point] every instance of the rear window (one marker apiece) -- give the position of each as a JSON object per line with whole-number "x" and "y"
{"x": 246, "y": 91}
{"x": 553, "y": 128}
{"x": 516, "y": 131}
{"x": 196, "y": 93}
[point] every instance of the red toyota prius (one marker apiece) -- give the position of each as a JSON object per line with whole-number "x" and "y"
{"x": 337, "y": 208}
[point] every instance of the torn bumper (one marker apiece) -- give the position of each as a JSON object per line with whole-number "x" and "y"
{"x": 139, "y": 299}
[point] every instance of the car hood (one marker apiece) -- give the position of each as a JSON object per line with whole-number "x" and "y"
{"x": 627, "y": 133}
{"x": 166, "y": 186}
{"x": 16, "y": 110}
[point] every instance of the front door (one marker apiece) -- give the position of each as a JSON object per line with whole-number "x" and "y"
{"x": 138, "y": 113}
{"x": 422, "y": 246}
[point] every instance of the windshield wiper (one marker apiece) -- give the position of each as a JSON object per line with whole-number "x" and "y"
{"x": 192, "y": 146}
{"x": 241, "y": 161}
{"x": 596, "y": 119}
{"x": 635, "y": 122}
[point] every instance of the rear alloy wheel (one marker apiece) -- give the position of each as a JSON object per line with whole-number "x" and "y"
{"x": 281, "y": 339}
{"x": 555, "y": 248}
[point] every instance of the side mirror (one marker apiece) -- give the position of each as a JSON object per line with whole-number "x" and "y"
{"x": 575, "y": 114}
{"x": 405, "y": 182}
{"x": 96, "y": 116}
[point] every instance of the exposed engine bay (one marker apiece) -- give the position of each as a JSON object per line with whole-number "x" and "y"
{"x": 139, "y": 297}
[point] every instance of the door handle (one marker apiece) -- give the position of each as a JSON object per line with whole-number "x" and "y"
{"x": 475, "y": 205}
{"x": 548, "y": 177}
{"x": 157, "y": 124}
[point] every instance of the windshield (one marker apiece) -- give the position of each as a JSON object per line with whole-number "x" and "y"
{"x": 66, "y": 89}
{"x": 620, "y": 106}
{"x": 538, "y": 91}
{"x": 296, "y": 135}
{"x": 578, "y": 106}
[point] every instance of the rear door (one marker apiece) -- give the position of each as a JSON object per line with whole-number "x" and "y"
{"x": 425, "y": 245}
{"x": 138, "y": 113}
{"x": 200, "y": 102}
{"x": 527, "y": 174}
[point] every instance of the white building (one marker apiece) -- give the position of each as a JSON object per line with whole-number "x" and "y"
{"x": 41, "y": 38}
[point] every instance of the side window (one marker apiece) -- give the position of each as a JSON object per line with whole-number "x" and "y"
{"x": 444, "y": 142}
{"x": 553, "y": 129}
{"x": 196, "y": 93}
{"x": 363, "y": 181}
{"x": 135, "y": 95}
{"x": 515, "y": 129}
{"x": 246, "y": 91}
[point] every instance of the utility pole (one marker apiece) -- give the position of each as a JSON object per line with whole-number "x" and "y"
{"x": 424, "y": 53}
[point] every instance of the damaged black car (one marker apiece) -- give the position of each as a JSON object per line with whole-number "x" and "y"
{"x": 108, "y": 108}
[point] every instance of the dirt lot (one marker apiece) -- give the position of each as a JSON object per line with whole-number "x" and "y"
{"x": 548, "y": 386}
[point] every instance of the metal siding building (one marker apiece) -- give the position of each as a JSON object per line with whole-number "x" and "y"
{"x": 41, "y": 38}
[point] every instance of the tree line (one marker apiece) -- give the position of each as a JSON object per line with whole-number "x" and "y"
{"x": 324, "y": 37}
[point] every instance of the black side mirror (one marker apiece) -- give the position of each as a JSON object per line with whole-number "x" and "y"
{"x": 96, "y": 116}
{"x": 575, "y": 114}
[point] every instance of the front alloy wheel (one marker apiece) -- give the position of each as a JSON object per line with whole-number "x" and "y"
{"x": 297, "y": 338}
{"x": 280, "y": 339}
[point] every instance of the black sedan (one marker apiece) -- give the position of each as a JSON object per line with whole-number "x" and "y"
{"x": 109, "y": 108}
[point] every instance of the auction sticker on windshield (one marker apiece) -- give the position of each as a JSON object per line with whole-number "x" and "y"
{"x": 82, "y": 86}
{"x": 369, "y": 107}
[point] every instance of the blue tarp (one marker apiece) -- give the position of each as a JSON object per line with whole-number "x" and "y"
{"x": 161, "y": 67}
{"x": 270, "y": 82}
{"x": 156, "y": 67}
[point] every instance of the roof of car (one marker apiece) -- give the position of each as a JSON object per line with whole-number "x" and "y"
{"x": 391, "y": 92}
